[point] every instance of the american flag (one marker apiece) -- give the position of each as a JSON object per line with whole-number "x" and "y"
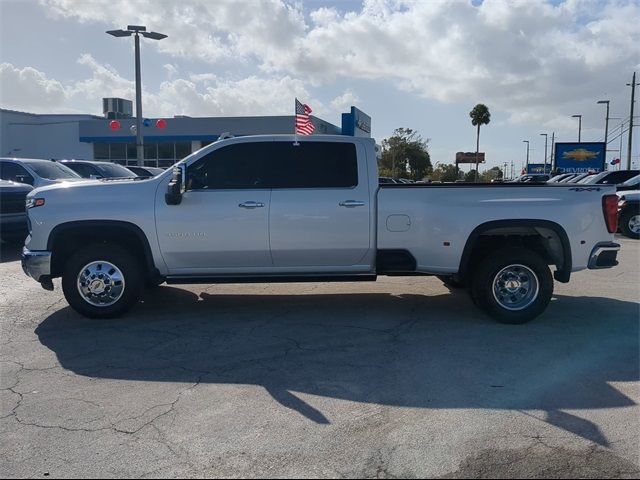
{"x": 303, "y": 121}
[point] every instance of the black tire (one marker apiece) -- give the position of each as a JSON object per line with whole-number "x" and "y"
{"x": 625, "y": 219}
{"x": 451, "y": 281}
{"x": 130, "y": 269}
{"x": 517, "y": 264}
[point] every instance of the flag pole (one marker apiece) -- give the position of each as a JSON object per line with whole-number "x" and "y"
{"x": 295, "y": 129}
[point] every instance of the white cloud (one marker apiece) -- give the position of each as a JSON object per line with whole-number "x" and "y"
{"x": 534, "y": 60}
{"x": 200, "y": 95}
{"x": 344, "y": 101}
{"x": 28, "y": 88}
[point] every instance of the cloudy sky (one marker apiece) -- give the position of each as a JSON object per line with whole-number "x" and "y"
{"x": 418, "y": 64}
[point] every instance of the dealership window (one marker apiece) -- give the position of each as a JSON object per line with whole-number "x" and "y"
{"x": 132, "y": 153}
{"x": 165, "y": 151}
{"x": 163, "y": 154}
{"x": 101, "y": 151}
{"x": 118, "y": 151}
{"x": 182, "y": 150}
{"x": 150, "y": 151}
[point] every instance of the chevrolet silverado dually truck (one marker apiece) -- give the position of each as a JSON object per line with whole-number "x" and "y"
{"x": 280, "y": 209}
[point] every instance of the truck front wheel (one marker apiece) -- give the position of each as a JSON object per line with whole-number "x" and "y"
{"x": 102, "y": 281}
{"x": 513, "y": 285}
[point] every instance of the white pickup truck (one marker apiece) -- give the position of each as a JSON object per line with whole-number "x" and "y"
{"x": 270, "y": 209}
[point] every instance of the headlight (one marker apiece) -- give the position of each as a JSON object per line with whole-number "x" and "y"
{"x": 34, "y": 202}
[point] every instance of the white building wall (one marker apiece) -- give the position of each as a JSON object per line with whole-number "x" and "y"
{"x": 27, "y": 135}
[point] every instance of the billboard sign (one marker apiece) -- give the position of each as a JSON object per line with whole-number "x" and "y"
{"x": 584, "y": 157}
{"x": 538, "y": 168}
{"x": 469, "y": 157}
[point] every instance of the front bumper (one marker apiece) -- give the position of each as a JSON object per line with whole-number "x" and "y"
{"x": 604, "y": 255}
{"x": 37, "y": 264}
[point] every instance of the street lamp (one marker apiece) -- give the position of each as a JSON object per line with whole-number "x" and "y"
{"x": 546, "y": 136}
{"x": 138, "y": 30}
{"x": 579, "y": 117}
{"x": 527, "y": 164}
{"x": 606, "y": 129}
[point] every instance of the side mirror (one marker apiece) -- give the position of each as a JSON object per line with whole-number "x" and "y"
{"x": 95, "y": 177}
{"x": 24, "y": 179}
{"x": 177, "y": 185}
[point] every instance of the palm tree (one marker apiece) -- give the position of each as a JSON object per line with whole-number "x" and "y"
{"x": 479, "y": 116}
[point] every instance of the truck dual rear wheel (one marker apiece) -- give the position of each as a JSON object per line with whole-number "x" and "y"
{"x": 102, "y": 281}
{"x": 512, "y": 285}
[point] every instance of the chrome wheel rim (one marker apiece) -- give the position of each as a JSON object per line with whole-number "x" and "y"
{"x": 101, "y": 283}
{"x": 515, "y": 287}
{"x": 634, "y": 224}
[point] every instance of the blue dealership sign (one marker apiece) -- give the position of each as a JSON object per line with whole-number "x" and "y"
{"x": 583, "y": 157}
{"x": 538, "y": 168}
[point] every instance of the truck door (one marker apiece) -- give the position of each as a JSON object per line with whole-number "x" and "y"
{"x": 320, "y": 204}
{"x": 222, "y": 223}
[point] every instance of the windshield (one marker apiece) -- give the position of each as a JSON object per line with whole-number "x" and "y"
{"x": 52, "y": 170}
{"x": 113, "y": 170}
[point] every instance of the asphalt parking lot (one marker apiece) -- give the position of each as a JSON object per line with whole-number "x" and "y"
{"x": 398, "y": 378}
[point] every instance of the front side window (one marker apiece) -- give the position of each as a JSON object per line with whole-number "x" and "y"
{"x": 239, "y": 166}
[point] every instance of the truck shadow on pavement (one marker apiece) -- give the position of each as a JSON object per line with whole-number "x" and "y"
{"x": 406, "y": 351}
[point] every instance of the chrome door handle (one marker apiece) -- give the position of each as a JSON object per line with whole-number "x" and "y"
{"x": 351, "y": 203}
{"x": 251, "y": 205}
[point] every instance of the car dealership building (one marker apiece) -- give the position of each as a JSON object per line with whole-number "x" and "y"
{"x": 112, "y": 137}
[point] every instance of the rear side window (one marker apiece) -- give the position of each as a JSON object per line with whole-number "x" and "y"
{"x": 276, "y": 165}
{"x": 313, "y": 165}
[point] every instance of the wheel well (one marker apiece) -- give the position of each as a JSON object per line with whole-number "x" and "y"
{"x": 546, "y": 239}
{"x": 66, "y": 239}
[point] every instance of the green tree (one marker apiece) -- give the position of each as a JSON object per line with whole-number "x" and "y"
{"x": 479, "y": 116}
{"x": 405, "y": 155}
{"x": 470, "y": 176}
{"x": 494, "y": 173}
{"x": 444, "y": 173}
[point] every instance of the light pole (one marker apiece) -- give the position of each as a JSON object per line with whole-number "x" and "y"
{"x": 633, "y": 85}
{"x": 579, "y": 117}
{"x": 546, "y": 137}
{"x": 527, "y": 163}
{"x": 138, "y": 30}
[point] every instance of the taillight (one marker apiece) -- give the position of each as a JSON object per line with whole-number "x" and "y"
{"x": 610, "y": 211}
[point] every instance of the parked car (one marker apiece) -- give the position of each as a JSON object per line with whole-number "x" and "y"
{"x": 259, "y": 209}
{"x": 629, "y": 213}
{"x": 34, "y": 172}
{"x": 531, "y": 178}
{"x": 97, "y": 170}
{"x": 559, "y": 177}
{"x": 632, "y": 184}
{"x": 578, "y": 178}
{"x": 614, "y": 177}
{"x": 145, "y": 172}
{"x": 13, "y": 212}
